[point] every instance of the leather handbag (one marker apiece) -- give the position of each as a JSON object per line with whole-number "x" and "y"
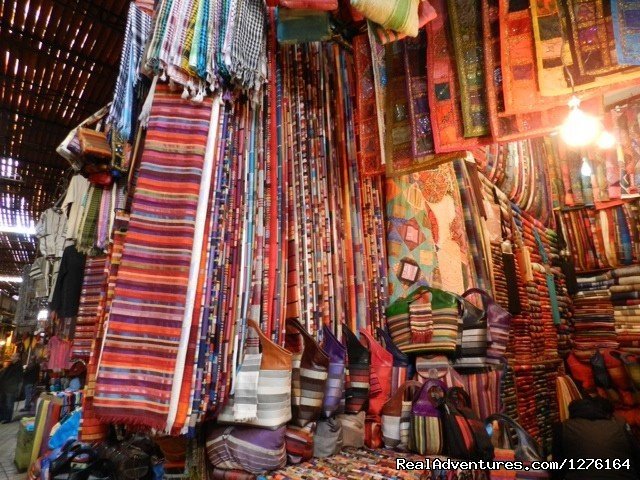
{"x": 334, "y": 389}
{"x": 396, "y": 417}
{"x": 273, "y": 404}
{"x": 358, "y": 372}
{"x": 299, "y": 443}
{"x": 309, "y": 374}
{"x": 471, "y": 350}
{"x": 464, "y": 434}
{"x": 70, "y": 149}
{"x": 129, "y": 461}
{"x": 352, "y": 429}
{"x": 380, "y": 375}
{"x": 498, "y": 324}
{"x": 426, "y": 436}
{"x": 403, "y": 368}
{"x": 255, "y": 450}
{"x": 94, "y": 144}
{"x": 328, "y": 438}
{"x": 324, "y": 5}
{"x": 525, "y": 449}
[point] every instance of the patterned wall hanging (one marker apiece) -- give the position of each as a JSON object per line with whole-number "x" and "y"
{"x": 466, "y": 31}
{"x": 444, "y": 95}
{"x": 625, "y": 15}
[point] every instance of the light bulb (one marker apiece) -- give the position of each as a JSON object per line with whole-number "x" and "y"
{"x": 585, "y": 170}
{"x": 579, "y": 128}
{"x": 606, "y": 140}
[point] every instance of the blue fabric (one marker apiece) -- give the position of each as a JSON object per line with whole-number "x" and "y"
{"x": 66, "y": 430}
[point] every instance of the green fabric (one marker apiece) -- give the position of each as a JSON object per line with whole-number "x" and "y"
{"x": 302, "y": 26}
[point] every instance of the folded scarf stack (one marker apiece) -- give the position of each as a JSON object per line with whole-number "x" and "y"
{"x": 593, "y": 316}
{"x": 625, "y": 296}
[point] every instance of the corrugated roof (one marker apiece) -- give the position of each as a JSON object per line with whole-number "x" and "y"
{"x": 58, "y": 64}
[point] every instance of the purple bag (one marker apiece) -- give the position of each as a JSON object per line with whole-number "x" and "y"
{"x": 426, "y": 436}
{"x": 334, "y": 389}
{"x": 253, "y": 449}
{"x": 498, "y": 323}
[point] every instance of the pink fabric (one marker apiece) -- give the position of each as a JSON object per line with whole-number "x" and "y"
{"x": 59, "y": 354}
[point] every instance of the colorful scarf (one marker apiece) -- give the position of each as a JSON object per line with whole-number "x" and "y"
{"x": 135, "y": 38}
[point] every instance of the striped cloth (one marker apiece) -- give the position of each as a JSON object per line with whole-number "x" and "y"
{"x": 89, "y": 312}
{"x": 134, "y": 381}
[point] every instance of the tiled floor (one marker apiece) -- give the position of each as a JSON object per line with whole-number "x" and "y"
{"x": 7, "y": 449}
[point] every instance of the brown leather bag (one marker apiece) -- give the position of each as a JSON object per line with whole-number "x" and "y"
{"x": 309, "y": 375}
{"x": 274, "y": 384}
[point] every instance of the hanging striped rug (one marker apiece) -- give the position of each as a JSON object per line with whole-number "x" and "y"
{"x": 136, "y": 372}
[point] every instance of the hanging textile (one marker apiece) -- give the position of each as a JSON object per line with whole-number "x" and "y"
{"x": 368, "y": 134}
{"x": 408, "y": 133}
{"x": 592, "y": 39}
{"x": 426, "y": 236}
{"x": 92, "y": 429}
{"x": 624, "y": 14}
{"x": 466, "y": 32}
{"x": 136, "y": 34}
{"x": 93, "y": 284}
{"x": 553, "y": 54}
{"x": 444, "y": 95}
{"x": 125, "y": 389}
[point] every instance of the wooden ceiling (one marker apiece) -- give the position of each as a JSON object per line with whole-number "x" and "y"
{"x": 58, "y": 64}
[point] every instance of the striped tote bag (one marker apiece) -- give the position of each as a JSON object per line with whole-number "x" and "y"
{"x": 426, "y": 425}
{"x": 255, "y": 450}
{"x": 269, "y": 398}
{"x": 396, "y": 417}
{"x": 334, "y": 389}
{"x": 358, "y": 371}
{"x": 309, "y": 375}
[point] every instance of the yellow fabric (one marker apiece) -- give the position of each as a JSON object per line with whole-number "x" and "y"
{"x": 398, "y": 15}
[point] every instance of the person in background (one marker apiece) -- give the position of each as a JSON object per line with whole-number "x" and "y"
{"x": 592, "y": 432}
{"x": 30, "y": 380}
{"x": 10, "y": 380}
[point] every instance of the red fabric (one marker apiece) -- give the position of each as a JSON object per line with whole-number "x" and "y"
{"x": 381, "y": 373}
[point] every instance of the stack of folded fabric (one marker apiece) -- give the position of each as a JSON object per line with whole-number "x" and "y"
{"x": 509, "y": 398}
{"x": 88, "y": 313}
{"x": 593, "y": 316}
{"x": 625, "y": 296}
{"x": 565, "y": 328}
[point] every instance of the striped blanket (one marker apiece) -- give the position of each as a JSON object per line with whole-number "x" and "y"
{"x": 143, "y": 337}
